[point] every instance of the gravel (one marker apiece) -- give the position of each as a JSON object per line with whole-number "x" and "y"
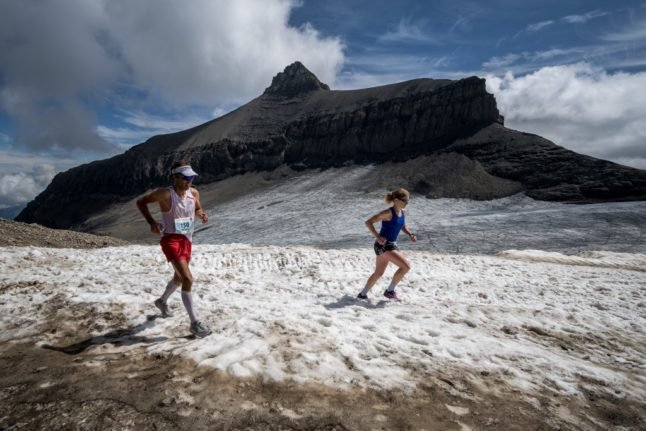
{"x": 18, "y": 234}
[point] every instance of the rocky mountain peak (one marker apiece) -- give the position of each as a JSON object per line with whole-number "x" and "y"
{"x": 393, "y": 123}
{"x": 294, "y": 80}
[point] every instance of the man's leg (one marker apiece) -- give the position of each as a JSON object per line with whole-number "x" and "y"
{"x": 170, "y": 249}
{"x": 162, "y": 302}
{"x": 197, "y": 327}
{"x": 184, "y": 272}
{"x": 171, "y": 287}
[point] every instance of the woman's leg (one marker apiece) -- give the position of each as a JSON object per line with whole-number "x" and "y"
{"x": 398, "y": 259}
{"x": 380, "y": 267}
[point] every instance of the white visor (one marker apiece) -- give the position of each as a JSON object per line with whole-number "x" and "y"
{"x": 187, "y": 171}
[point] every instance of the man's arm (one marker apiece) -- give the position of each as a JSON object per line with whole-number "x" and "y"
{"x": 199, "y": 211}
{"x": 156, "y": 196}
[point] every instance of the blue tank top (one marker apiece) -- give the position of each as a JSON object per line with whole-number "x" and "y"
{"x": 390, "y": 229}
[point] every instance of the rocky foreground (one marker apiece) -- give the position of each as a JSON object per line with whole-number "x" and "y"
{"x": 18, "y": 234}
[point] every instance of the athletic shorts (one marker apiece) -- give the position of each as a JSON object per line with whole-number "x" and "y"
{"x": 388, "y": 246}
{"x": 176, "y": 247}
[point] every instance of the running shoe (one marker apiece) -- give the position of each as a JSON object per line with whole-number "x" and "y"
{"x": 199, "y": 329}
{"x": 391, "y": 295}
{"x": 362, "y": 296}
{"x": 164, "y": 308}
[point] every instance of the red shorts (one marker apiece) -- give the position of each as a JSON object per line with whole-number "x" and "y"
{"x": 176, "y": 247}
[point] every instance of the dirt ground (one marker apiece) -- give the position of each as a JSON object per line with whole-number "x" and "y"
{"x": 109, "y": 382}
{"x": 82, "y": 389}
{"x": 18, "y": 234}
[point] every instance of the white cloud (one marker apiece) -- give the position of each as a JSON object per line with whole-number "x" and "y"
{"x": 163, "y": 124}
{"x": 583, "y": 18}
{"x": 460, "y": 22}
{"x": 59, "y": 60}
{"x": 63, "y": 125}
{"x": 608, "y": 56}
{"x": 49, "y": 57}
{"x": 21, "y": 187}
{"x": 383, "y": 69}
{"x": 632, "y": 33}
{"x": 219, "y": 112}
{"x": 124, "y": 137}
{"x": 14, "y": 162}
{"x": 146, "y": 125}
{"x": 538, "y": 26}
{"x": 635, "y": 162}
{"x": 502, "y": 61}
{"x": 215, "y": 50}
{"x": 23, "y": 176}
{"x": 578, "y": 107}
{"x": 408, "y": 31}
{"x": 4, "y": 139}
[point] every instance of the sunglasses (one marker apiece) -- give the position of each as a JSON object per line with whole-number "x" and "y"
{"x": 184, "y": 177}
{"x": 403, "y": 199}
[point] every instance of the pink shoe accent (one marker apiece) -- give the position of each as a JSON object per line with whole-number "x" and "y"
{"x": 391, "y": 295}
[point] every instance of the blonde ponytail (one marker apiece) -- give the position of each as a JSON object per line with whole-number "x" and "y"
{"x": 396, "y": 194}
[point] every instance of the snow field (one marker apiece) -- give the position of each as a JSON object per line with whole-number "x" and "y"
{"x": 537, "y": 321}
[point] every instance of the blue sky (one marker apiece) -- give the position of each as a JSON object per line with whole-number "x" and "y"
{"x": 82, "y": 80}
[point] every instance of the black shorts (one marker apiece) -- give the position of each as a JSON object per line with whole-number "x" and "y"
{"x": 388, "y": 246}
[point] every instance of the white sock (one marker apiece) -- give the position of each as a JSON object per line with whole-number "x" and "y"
{"x": 391, "y": 288}
{"x": 170, "y": 288}
{"x": 187, "y": 299}
{"x": 364, "y": 291}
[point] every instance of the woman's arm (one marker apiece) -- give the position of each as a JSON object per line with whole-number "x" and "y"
{"x": 384, "y": 215}
{"x": 410, "y": 234}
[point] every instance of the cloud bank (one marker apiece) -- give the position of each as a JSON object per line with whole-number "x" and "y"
{"x": 21, "y": 187}
{"x": 579, "y": 107}
{"x": 60, "y": 62}
{"x": 23, "y": 176}
{"x": 65, "y": 63}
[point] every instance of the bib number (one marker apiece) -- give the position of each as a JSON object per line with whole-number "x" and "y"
{"x": 183, "y": 225}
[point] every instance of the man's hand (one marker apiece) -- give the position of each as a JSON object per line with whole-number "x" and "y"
{"x": 156, "y": 228}
{"x": 204, "y": 217}
{"x": 160, "y": 196}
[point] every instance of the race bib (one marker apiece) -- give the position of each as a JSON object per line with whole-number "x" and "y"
{"x": 183, "y": 225}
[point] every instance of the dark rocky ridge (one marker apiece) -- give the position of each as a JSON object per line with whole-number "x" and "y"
{"x": 548, "y": 171}
{"x": 300, "y": 122}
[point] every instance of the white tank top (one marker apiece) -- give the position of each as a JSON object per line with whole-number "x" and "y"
{"x": 180, "y": 219}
